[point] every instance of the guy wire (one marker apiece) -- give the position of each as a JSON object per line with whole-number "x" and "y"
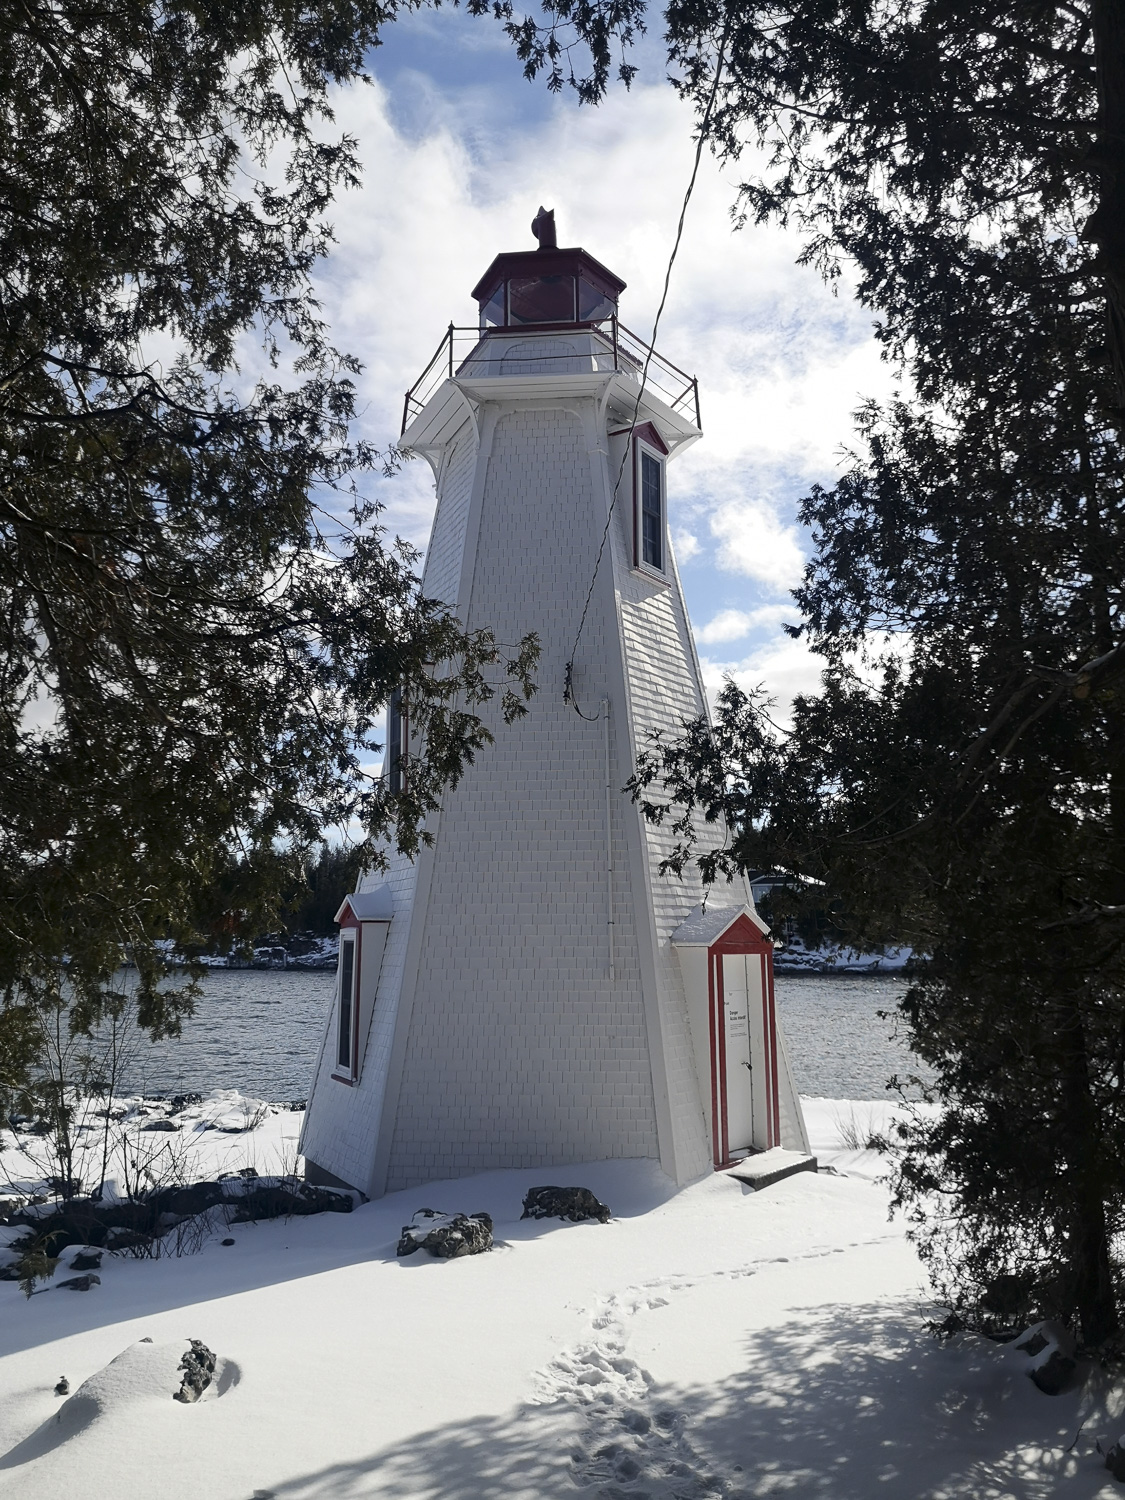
{"x": 568, "y": 685}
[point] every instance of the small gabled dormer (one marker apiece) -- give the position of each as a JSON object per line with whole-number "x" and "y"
{"x": 364, "y": 919}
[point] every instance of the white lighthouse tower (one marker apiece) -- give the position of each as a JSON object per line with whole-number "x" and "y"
{"x": 530, "y": 990}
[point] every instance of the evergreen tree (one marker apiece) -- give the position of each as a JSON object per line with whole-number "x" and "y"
{"x": 200, "y": 621}
{"x": 959, "y": 780}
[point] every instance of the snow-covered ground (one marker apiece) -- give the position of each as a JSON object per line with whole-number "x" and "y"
{"x": 706, "y": 1342}
{"x": 794, "y": 958}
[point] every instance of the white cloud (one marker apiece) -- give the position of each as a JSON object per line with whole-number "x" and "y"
{"x": 781, "y": 362}
{"x": 784, "y": 667}
{"x": 686, "y": 544}
{"x": 736, "y": 624}
{"x": 755, "y": 541}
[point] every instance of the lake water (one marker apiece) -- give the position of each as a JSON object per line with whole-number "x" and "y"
{"x": 259, "y": 1031}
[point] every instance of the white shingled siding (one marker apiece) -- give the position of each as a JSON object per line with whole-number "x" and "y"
{"x": 794, "y": 1136}
{"x": 499, "y": 1037}
{"x": 520, "y": 1050}
{"x": 342, "y": 1122}
{"x": 664, "y": 688}
{"x": 442, "y": 572}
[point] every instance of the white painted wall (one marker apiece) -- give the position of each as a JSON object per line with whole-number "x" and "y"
{"x": 498, "y": 1037}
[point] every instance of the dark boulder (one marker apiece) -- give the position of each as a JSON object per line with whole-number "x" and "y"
{"x": 198, "y": 1365}
{"x": 446, "y": 1236}
{"x": 160, "y": 1125}
{"x": 571, "y": 1203}
{"x": 1115, "y": 1460}
{"x": 79, "y": 1283}
{"x": 86, "y": 1222}
{"x": 1033, "y": 1342}
{"x": 288, "y": 1200}
{"x": 138, "y": 1242}
{"x": 179, "y": 1102}
{"x": 1054, "y": 1373}
{"x": 195, "y": 1198}
{"x": 1051, "y": 1350}
{"x": 86, "y": 1260}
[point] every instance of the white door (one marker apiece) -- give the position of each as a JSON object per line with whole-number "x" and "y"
{"x": 736, "y": 1003}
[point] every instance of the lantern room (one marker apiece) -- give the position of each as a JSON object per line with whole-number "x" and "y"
{"x": 546, "y": 287}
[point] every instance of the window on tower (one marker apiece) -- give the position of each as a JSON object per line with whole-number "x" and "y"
{"x": 345, "y": 1024}
{"x": 649, "y": 521}
{"x": 398, "y": 730}
{"x": 652, "y": 511}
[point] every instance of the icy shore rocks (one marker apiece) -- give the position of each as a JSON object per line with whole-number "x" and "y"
{"x": 446, "y": 1236}
{"x": 573, "y": 1204}
{"x": 135, "y": 1224}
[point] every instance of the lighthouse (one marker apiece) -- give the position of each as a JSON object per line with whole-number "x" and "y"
{"x": 530, "y": 990}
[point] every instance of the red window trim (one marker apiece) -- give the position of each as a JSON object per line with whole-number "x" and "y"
{"x": 646, "y": 433}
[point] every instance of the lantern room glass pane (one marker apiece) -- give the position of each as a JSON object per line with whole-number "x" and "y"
{"x": 593, "y": 304}
{"x": 541, "y": 299}
{"x": 492, "y": 311}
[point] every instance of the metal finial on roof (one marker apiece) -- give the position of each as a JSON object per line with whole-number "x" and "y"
{"x": 543, "y": 228}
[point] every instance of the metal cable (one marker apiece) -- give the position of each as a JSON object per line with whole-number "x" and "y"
{"x": 568, "y": 686}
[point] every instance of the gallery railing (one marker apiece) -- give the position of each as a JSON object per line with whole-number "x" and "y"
{"x": 615, "y": 351}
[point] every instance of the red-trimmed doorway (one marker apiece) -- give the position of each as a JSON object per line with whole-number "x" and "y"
{"x": 745, "y": 1105}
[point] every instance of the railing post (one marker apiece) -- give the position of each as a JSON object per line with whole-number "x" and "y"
{"x": 695, "y": 388}
{"x": 616, "y": 361}
{"x": 405, "y": 413}
{"x": 451, "y": 351}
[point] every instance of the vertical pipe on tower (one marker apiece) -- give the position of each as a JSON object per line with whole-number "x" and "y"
{"x": 608, "y": 837}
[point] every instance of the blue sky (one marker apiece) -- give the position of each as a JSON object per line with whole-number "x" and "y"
{"x": 459, "y": 150}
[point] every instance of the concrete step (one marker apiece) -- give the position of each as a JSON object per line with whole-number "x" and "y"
{"x": 766, "y": 1167}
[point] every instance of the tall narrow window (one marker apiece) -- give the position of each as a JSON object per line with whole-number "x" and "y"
{"x": 396, "y": 741}
{"x": 652, "y": 511}
{"x": 346, "y": 1028}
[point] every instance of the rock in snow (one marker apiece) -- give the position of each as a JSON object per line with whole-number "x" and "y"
{"x": 573, "y": 1203}
{"x": 79, "y": 1283}
{"x": 1052, "y": 1362}
{"x": 1115, "y": 1459}
{"x": 447, "y": 1236}
{"x": 198, "y": 1365}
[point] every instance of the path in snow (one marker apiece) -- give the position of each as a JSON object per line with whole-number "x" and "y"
{"x": 635, "y": 1440}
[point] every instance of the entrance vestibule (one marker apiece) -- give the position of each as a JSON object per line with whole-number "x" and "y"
{"x": 727, "y": 963}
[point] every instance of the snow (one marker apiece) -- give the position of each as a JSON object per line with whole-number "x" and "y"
{"x": 711, "y": 1341}
{"x": 793, "y": 957}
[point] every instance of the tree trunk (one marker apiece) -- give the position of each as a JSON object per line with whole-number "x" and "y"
{"x": 1094, "y": 1297}
{"x": 1106, "y": 225}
